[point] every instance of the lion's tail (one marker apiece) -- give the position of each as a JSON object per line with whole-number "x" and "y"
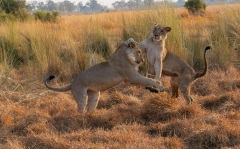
{"x": 201, "y": 74}
{"x": 48, "y": 79}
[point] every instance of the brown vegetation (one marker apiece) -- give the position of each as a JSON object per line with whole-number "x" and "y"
{"x": 126, "y": 117}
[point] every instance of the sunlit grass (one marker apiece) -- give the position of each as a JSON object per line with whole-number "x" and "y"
{"x": 68, "y": 46}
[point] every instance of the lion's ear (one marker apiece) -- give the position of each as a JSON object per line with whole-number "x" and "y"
{"x": 131, "y": 43}
{"x": 168, "y": 29}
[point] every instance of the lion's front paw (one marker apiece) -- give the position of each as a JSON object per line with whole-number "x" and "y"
{"x": 162, "y": 89}
{"x": 159, "y": 82}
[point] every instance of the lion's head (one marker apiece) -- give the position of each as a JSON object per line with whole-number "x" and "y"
{"x": 160, "y": 32}
{"x": 134, "y": 53}
{"x": 127, "y": 53}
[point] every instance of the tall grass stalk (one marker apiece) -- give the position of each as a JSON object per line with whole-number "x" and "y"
{"x": 8, "y": 43}
{"x": 232, "y": 20}
{"x": 225, "y": 38}
{"x": 221, "y": 45}
{"x": 175, "y": 42}
{"x": 196, "y": 39}
{"x": 140, "y": 24}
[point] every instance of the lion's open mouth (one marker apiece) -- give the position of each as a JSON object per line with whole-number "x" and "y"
{"x": 139, "y": 62}
{"x": 157, "y": 36}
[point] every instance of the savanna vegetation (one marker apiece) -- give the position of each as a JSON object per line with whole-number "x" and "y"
{"x": 195, "y": 6}
{"x": 31, "y": 116}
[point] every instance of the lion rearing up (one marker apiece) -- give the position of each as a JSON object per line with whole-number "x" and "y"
{"x": 121, "y": 66}
{"x": 154, "y": 47}
{"x": 182, "y": 74}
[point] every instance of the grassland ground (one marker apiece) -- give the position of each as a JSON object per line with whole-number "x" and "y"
{"x": 126, "y": 116}
{"x": 32, "y": 116}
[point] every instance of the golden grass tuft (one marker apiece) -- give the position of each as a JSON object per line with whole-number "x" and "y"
{"x": 225, "y": 135}
{"x": 67, "y": 123}
{"x": 217, "y": 103}
{"x": 176, "y": 128}
{"x": 222, "y": 103}
{"x": 159, "y": 108}
{"x": 229, "y": 85}
{"x": 107, "y": 101}
{"x": 44, "y": 141}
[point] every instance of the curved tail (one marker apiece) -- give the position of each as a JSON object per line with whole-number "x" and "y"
{"x": 201, "y": 74}
{"x": 49, "y": 78}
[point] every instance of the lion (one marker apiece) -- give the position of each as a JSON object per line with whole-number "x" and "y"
{"x": 182, "y": 75}
{"x": 155, "y": 49}
{"x": 122, "y": 66}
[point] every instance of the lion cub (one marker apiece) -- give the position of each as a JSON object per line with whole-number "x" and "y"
{"x": 154, "y": 47}
{"x": 122, "y": 66}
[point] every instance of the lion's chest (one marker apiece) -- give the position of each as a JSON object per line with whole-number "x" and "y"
{"x": 154, "y": 53}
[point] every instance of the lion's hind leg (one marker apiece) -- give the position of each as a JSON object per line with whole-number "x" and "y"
{"x": 174, "y": 86}
{"x": 80, "y": 95}
{"x": 185, "y": 89}
{"x": 93, "y": 98}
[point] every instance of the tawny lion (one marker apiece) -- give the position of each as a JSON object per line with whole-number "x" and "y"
{"x": 182, "y": 74}
{"x": 122, "y": 66}
{"x": 154, "y": 47}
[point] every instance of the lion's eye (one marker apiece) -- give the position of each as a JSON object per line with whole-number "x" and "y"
{"x": 139, "y": 52}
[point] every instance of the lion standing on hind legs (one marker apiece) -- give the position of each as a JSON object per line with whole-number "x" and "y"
{"x": 182, "y": 74}
{"x": 122, "y": 66}
{"x": 166, "y": 63}
{"x": 154, "y": 47}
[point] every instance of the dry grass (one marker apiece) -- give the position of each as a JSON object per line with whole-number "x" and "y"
{"x": 127, "y": 116}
